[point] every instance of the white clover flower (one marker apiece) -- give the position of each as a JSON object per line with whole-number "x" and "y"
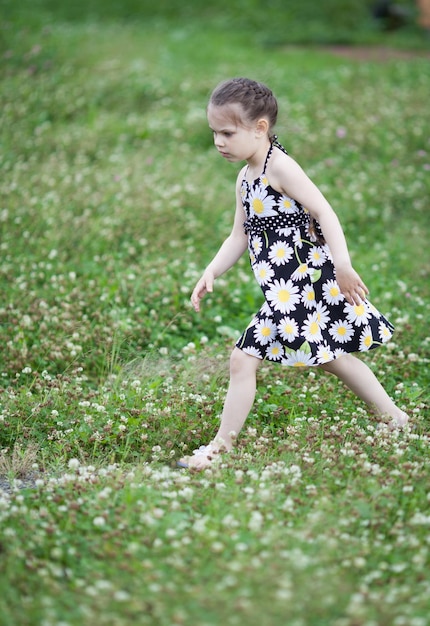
{"x": 199, "y": 525}
{"x": 288, "y": 505}
{"x": 190, "y": 347}
{"x": 105, "y": 493}
{"x": 419, "y": 519}
{"x": 121, "y": 596}
{"x": 256, "y": 521}
{"x": 217, "y": 546}
{"x": 99, "y": 521}
{"x": 73, "y": 464}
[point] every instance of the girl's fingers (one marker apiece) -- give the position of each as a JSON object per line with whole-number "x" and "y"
{"x": 357, "y": 296}
{"x": 195, "y": 300}
{"x": 204, "y": 286}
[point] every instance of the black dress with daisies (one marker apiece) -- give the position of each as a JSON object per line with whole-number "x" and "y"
{"x": 305, "y": 320}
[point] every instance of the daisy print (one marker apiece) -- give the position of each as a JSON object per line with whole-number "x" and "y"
{"x": 338, "y": 352}
{"x": 256, "y": 245}
{"x": 288, "y": 329}
{"x": 265, "y": 310}
{"x": 384, "y": 332}
{"x": 311, "y": 329}
{"x": 323, "y": 315}
{"x": 324, "y": 354}
{"x": 341, "y": 331}
{"x": 301, "y": 272}
{"x": 264, "y": 331}
{"x": 357, "y": 314}
{"x": 253, "y": 351}
{"x": 280, "y": 253}
{"x": 285, "y": 232}
{"x": 366, "y": 339}
{"x": 298, "y": 358}
{"x": 263, "y": 272}
{"x": 308, "y": 296}
{"x": 316, "y": 256}
{"x": 297, "y": 238}
{"x": 261, "y": 204}
{"x": 287, "y": 205}
{"x": 275, "y": 351}
{"x": 332, "y": 293}
{"x": 283, "y": 295}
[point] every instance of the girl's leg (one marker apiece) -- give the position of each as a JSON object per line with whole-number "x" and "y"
{"x": 362, "y": 381}
{"x": 238, "y": 403}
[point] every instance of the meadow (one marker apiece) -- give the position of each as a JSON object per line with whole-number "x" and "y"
{"x": 113, "y": 199}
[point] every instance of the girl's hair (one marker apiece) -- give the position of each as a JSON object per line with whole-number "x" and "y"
{"x": 256, "y": 99}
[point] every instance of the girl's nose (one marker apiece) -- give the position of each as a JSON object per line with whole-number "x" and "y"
{"x": 218, "y": 141}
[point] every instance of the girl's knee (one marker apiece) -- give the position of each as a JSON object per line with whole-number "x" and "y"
{"x": 241, "y": 362}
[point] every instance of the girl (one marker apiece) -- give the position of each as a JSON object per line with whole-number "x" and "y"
{"x": 315, "y": 311}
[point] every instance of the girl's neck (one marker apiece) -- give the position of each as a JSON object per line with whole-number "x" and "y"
{"x": 257, "y": 160}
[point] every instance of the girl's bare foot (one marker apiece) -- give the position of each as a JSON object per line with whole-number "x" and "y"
{"x": 399, "y": 421}
{"x": 203, "y": 457}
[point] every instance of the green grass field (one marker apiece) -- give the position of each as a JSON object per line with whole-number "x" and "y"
{"x": 113, "y": 199}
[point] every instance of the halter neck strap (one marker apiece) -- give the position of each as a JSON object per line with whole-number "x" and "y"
{"x": 273, "y": 143}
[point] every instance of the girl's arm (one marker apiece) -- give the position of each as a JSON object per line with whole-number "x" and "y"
{"x": 230, "y": 252}
{"x": 295, "y": 183}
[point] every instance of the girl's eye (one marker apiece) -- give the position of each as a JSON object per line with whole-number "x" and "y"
{"x": 224, "y": 133}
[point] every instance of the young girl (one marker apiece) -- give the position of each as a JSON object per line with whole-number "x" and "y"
{"x": 315, "y": 311}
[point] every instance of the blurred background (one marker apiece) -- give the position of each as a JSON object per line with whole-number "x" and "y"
{"x": 273, "y": 21}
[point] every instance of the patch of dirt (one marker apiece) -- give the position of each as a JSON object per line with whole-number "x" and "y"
{"x": 377, "y": 53}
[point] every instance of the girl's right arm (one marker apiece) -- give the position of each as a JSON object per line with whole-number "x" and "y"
{"x": 230, "y": 252}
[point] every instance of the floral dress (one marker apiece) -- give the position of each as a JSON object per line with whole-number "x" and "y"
{"x": 305, "y": 320}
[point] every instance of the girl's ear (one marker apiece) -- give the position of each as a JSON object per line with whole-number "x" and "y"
{"x": 262, "y": 126}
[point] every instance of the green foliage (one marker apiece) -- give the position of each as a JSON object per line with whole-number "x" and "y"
{"x": 276, "y": 21}
{"x": 113, "y": 200}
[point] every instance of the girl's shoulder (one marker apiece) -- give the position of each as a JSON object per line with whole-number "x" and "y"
{"x": 280, "y": 159}
{"x": 281, "y": 168}
{"x": 239, "y": 180}
{"x": 241, "y": 175}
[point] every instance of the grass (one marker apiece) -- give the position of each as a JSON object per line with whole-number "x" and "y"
{"x": 113, "y": 200}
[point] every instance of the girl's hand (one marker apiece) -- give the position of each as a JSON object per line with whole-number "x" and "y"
{"x": 351, "y": 285}
{"x": 203, "y": 286}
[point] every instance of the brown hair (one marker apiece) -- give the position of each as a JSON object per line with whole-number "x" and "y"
{"x": 256, "y": 99}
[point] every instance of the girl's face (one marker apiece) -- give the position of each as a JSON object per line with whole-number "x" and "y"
{"x": 234, "y": 139}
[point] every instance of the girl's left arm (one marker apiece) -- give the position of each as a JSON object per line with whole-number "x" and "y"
{"x": 296, "y": 184}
